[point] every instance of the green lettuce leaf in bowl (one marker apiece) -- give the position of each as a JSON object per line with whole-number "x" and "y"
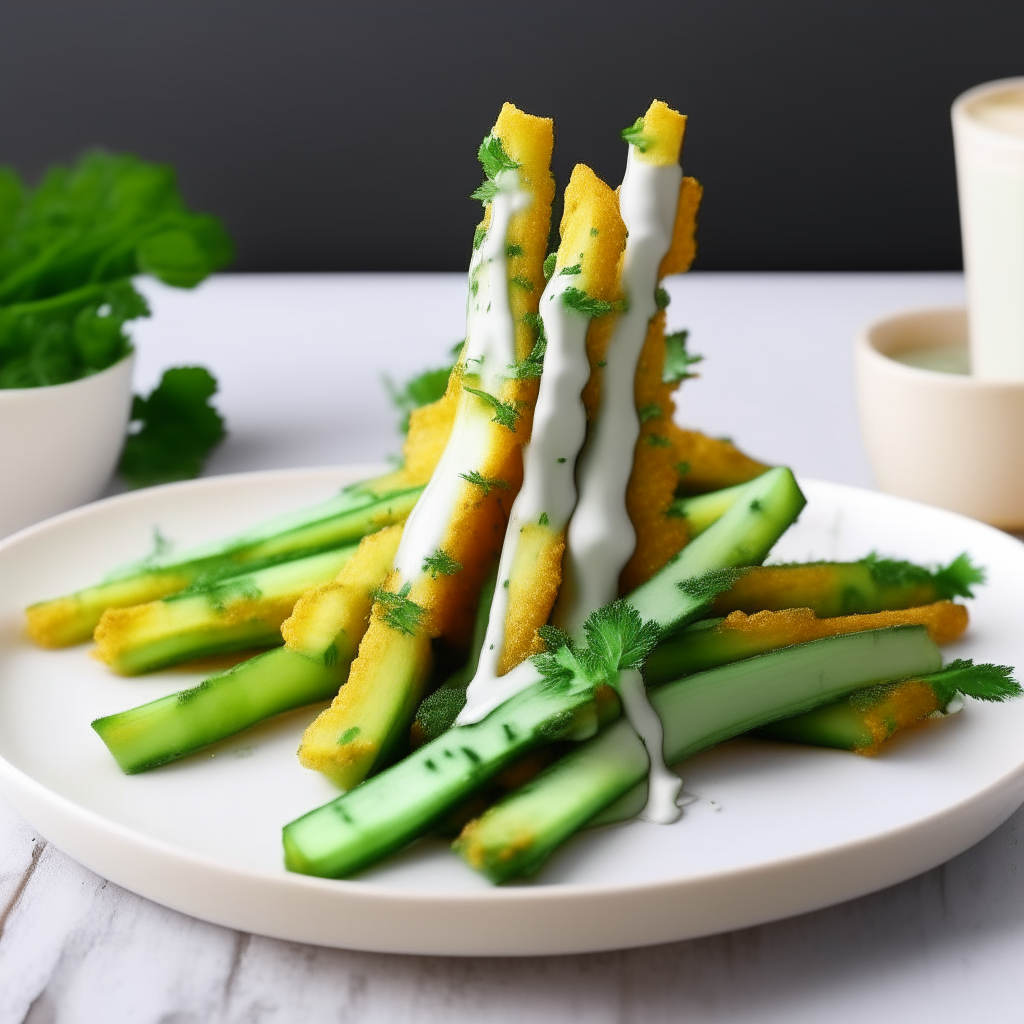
{"x": 68, "y": 252}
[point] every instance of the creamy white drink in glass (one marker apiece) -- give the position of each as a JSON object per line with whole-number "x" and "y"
{"x": 988, "y": 134}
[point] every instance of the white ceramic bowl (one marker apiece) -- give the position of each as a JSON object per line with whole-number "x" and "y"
{"x": 945, "y": 439}
{"x": 59, "y": 444}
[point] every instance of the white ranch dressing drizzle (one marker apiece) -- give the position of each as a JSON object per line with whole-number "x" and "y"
{"x": 490, "y": 350}
{"x": 549, "y": 486}
{"x": 600, "y": 536}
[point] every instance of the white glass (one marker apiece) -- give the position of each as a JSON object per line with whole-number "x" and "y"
{"x": 988, "y": 134}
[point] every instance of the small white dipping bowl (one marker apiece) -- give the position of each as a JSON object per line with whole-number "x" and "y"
{"x": 943, "y": 438}
{"x": 59, "y": 444}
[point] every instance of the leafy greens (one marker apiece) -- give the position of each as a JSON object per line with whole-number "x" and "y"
{"x": 175, "y": 428}
{"x": 68, "y": 252}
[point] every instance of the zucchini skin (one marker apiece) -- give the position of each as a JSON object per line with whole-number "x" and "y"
{"x": 171, "y": 727}
{"x": 701, "y": 510}
{"x": 72, "y": 618}
{"x": 742, "y": 537}
{"x": 517, "y": 835}
{"x": 236, "y": 613}
{"x": 829, "y": 589}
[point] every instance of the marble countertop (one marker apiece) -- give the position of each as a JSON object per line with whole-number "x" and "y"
{"x": 301, "y": 361}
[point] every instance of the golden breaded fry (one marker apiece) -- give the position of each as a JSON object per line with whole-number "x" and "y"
{"x": 69, "y": 620}
{"x": 529, "y": 141}
{"x": 683, "y": 249}
{"x": 477, "y": 530}
{"x": 663, "y": 130}
{"x": 387, "y": 678}
{"x": 652, "y": 483}
{"x": 944, "y": 620}
{"x": 533, "y": 586}
{"x": 592, "y": 237}
{"x": 709, "y": 463}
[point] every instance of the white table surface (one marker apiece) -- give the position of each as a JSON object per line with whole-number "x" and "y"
{"x": 300, "y": 360}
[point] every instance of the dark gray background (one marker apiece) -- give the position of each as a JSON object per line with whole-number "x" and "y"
{"x": 341, "y": 136}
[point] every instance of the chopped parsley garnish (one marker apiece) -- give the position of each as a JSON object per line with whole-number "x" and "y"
{"x": 440, "y": 563}
{"x": 478, "y": 236}
{"x": 494, "y": 160}
{"x": 522, "y": 282}
{"x": 594, "y": 232}
{"x": 544, "y": 521}
{"x": 504, "y": 413}
{"x": 486, "y": 484}
{"x": 549, "y": 265}
{"x": 953, "y": 580}
{"x": 657, "y": 441}
{"x": 677, "y": 360}
{"x": 398, "y": 610}
{"x": 573, "y": 271}
{"x": 662, "y": 298}
{"x": 710, "y": 584}
{"x": 578, "y": 300}
{"x": 512, "y": 251}
{"x": 533, "y": 365}
{"x": 635, "y": 136}
{"x": 649, "y": 412}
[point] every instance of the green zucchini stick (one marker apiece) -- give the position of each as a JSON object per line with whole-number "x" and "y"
{"x": 864, "y": 721}
{"x": 389, "y": 810}
{"x": 329, "y": 621}
{"x": 714, "y": 642}
{"x": 234, "y": 614}
{"x": 845, "y": 588}
{"x": 331, "y": 524}
{"x": 516, "y": 835}
{"x": 701, "y": 510}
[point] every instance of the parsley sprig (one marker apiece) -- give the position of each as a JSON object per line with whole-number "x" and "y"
{"x": 616, "y": 639}
{"x": 485, "y": 483}
{"x": 636, "y": 136}
{"x": 440, "y": 563}
{"x": 677, "y": 359}
{"x": 578, "y": 300}
{"x": 494, "y": 160}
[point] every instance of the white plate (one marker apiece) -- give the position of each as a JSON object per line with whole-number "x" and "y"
{"x": 775, "y": 830}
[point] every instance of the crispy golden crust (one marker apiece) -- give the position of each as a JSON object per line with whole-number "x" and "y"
{"x": 906, "y": 704}
{"x": 338, "y": 611}
{"x": 709, "y": 463}
{"x": 944, "y": 620}
{"x": 533, "y": 586}
{"x": 683, "y": 249}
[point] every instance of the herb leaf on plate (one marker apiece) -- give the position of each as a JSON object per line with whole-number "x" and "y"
{"x": 176, "y": 428}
